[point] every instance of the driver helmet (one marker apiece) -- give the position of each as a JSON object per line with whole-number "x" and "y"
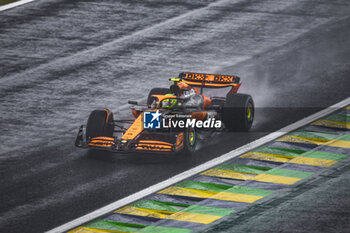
{"x": 169, "y": 103}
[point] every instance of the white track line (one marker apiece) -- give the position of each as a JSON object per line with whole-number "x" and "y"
{"x": 14, "y": 4}
{"x": 198, "y": 169}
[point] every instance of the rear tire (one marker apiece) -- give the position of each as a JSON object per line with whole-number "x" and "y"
{"x": 157, "y": 91}
{"x": 238, "y": 112}
{"x": 100, "y": 124}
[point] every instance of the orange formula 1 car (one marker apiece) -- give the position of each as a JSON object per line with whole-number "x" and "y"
{"x": 172, "y": 117}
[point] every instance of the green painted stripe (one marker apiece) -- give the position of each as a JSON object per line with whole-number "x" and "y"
{"x": 338, "y": 118}
{"x": 202, "y": 186}
{"x": 242, "y": 168}
{"x": 160, "y": 229}
{"x": 227, "y": 188}
{"x": 107, "y": 225}
{"x": 279, "y": 151}
{"x": 174, "y": 204}
{"x": 300, "y": 153}
{"x": 289, "y": 173}
{"x": 312, "y": 134}
{"x": 156, "y": 205}
{"x": 249, "y": 191}
{"x": 324, "y": 155}
{"x": 345, "y": 138}
{"x": 197, "y": 209}
{"x": 125, "y": 224}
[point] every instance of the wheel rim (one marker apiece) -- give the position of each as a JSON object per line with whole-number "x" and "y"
{"x": 250, "y": 112}
{"x": 191, "y": 137}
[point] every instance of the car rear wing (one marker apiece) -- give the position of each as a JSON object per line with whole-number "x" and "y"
{"x": 210, "y": 80}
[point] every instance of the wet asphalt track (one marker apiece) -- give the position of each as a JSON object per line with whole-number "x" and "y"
{"x": 62, "y": 59}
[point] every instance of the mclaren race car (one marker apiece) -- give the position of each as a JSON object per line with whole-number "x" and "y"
{"x": 157, "y": 126}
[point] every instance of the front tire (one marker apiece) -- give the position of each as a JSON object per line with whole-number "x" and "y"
{"x": 100, "y": 124}
{"x": 238, "y": 112}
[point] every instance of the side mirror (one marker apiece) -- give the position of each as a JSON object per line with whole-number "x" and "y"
{"x": 132, "y": 102}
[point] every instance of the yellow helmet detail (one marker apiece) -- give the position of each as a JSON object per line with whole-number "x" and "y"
{"x": 169, "y": 103}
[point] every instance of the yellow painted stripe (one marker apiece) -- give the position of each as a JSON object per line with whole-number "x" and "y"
{"x": 91, "y": 230}
{"x": 317, "y": 141}
{"x": 348, "y": 108}
{"x": 236, "y": 197}
{"x": 260, "y": 177}
{"x": 338, "y": 143}
{"x": 161, "y": 214}
{"x": 144, "y": 212}
{"x": 267, "y": 157}
{"x": 193, "y": 217}
{"x": 210, "y": 194}
{"x": 289, "y": 159}
{"x": 228, "y": 174}
{"x": 187, "y": 192}
{"x": 289, "y": 138}
{"x": 334, "y": 124}
{"x": 312, "y": 161}
{"x": 276, "y": 179}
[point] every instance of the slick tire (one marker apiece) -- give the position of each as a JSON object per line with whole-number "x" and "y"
{"x": 100, "y": 124}
{"x": 157, "y": 91}
{"x": 238, "y": 112}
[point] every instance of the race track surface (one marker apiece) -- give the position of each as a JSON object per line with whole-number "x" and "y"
{"x": 62, "y": 59}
